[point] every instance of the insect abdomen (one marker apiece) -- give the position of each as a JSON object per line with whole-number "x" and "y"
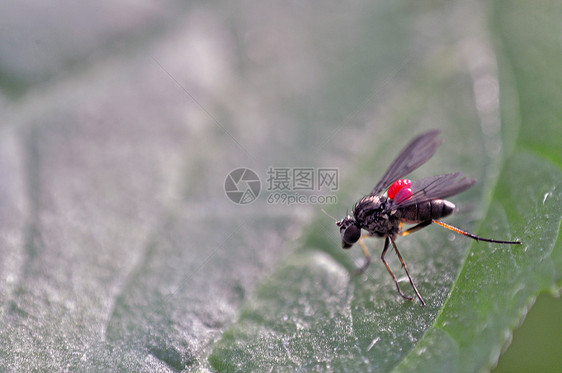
{"x": 434, "y": 209}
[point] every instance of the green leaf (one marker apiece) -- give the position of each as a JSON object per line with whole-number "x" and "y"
{"x": 358, "y": 325}
{"x": 119, "y": 249}
{"x": 491, "y": 296}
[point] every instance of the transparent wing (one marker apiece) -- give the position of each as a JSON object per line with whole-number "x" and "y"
{"x": 437, "y": 187}
{"x": 413, "y": 156}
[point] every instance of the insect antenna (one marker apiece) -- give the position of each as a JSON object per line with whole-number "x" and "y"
{"x": 328, "y": 215}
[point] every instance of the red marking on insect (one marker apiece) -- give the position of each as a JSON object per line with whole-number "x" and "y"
{"x": 397, "y": 186}
{"x": 403, "y": 194}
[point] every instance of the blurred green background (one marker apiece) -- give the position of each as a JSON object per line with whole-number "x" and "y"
{"x": 119, "y": 249}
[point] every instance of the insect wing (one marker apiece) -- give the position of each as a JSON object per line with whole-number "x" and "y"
{"x": 413, "y": 156}
{"x": 437, "y": 187}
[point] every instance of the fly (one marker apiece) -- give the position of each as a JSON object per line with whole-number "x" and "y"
{"x": 395, "y": 201}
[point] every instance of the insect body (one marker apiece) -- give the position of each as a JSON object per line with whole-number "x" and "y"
{"x": 419, "y": 202}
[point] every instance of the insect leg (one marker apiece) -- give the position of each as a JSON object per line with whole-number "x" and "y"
{"x": 365, "y": 265}
{"x": 473, "y": 236}
{"x": 416, "y": 228}
{"x": 390, "y": 271}
{"x": 406, "y": 269}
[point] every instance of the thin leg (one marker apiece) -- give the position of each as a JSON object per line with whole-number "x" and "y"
{"x": 390, "y": 271}
{"x": 416, "y": 228}
{"x": 473, "y": 236}
{"x": 408, "y": 273}
{"x": 365, "y": 265}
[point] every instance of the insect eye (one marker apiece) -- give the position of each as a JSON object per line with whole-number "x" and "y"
{"x": 350, "y": 235}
